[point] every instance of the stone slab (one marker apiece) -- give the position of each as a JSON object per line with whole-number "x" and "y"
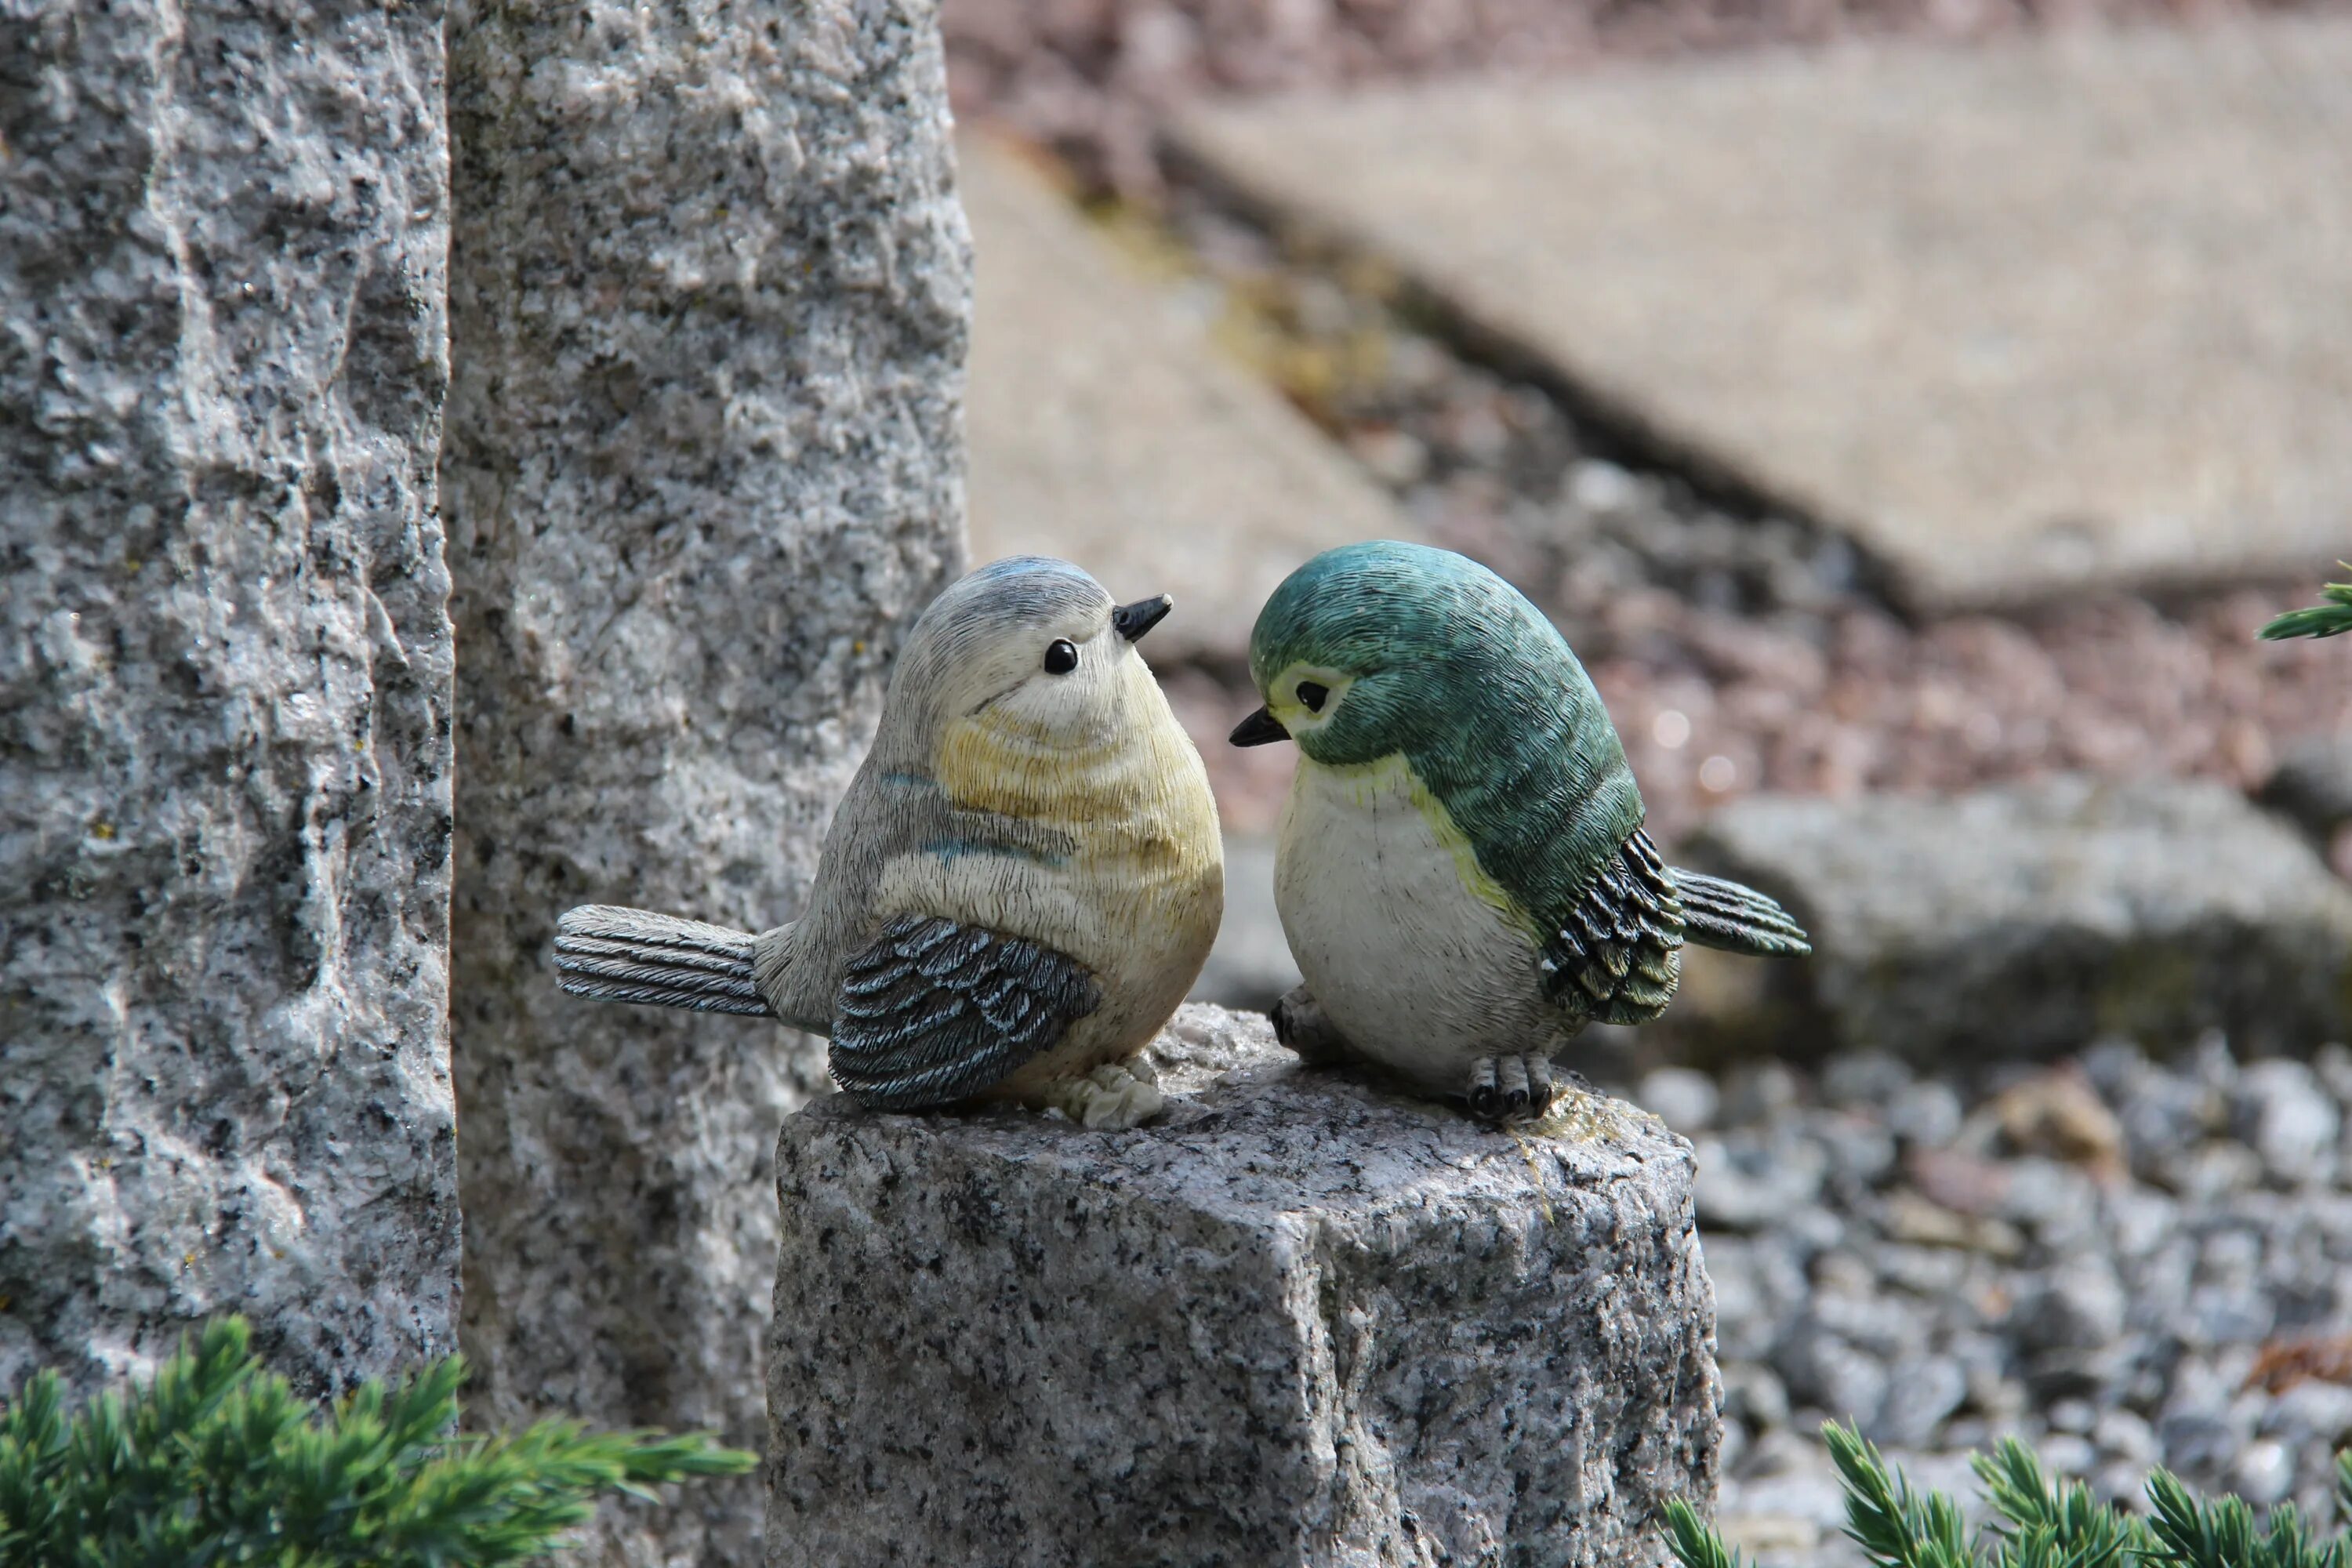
{"x": 1105, "y": 428}
{"x": 2022, "y": 318}
{"x": 1295, "y": 1322}
{"x": 2031, "y": 921}
{"x": 225, "y": 688}
{"x": 710, "y": 288}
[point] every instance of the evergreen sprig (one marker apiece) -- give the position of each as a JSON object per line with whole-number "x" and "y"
{"x": 2037, "y": 1524}
{"x": 1894, "y": 1526}
{"x": 2323, "y": 620}
{"x": 1693, "y": 1543}
{"x": 215, "y": 1461}
{"x": 2190, "y": 1533}
{"x": 2042, "y": 1526}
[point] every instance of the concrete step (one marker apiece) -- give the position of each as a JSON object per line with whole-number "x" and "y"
{"x": 1104, "y": 428}
{"x": 2022, "y": 318}
{"x": 2027, "y": 922}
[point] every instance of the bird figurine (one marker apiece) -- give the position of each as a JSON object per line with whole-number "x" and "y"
{"x": 1020, "y": 886}
{"x": 1462, "y": 872}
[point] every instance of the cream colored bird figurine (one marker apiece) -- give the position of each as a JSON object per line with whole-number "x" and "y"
{"x": 1462, "y": 871}
{"x": 1019, "y": 887}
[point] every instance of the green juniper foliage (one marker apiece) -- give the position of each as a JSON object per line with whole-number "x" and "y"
{"x": 2320, "y": 620}
{"x": 2038, "y": 1525}
{"x": 2042, "y": 1526}
{"x": 216, "y": 1462}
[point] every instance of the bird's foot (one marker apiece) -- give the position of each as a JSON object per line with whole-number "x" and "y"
{"x": 1300, "y": 1024}
{"x": 1117, "y": 1095}
{"x": 1509, "y": 1087}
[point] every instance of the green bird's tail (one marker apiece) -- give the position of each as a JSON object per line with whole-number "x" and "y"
{"x": 1720, "y": 914}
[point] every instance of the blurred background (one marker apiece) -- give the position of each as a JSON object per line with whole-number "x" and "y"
{"x": 1892, "y": 403}
{"x": 1879, "y": 396}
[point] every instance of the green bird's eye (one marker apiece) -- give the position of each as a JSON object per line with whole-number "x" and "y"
{"x": 1062, "y": 656}
{"x": 1313, "y": 695}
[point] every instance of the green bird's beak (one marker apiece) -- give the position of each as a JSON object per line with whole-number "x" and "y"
{"x": 1260, "y": 728}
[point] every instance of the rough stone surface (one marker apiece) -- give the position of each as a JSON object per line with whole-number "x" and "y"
{"x": 1296, "y": 1321}
{"x": 2023, "y": 921}
{"x": 224, "y": 687}
{"x": 711, "y": 288}
{"x": 2023, "y": 319}
{"x": 1107, "y": 429}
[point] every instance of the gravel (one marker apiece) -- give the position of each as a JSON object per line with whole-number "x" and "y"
{"x": 1094, "y": 78}
{"x": 2107, "y": 1258}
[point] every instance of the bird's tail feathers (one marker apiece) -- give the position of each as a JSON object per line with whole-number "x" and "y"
{"x": 1726, "y": 915}
{"x": 616, "y": 955}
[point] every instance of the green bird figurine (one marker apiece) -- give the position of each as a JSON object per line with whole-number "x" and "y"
{"x": 1462, "y": 872}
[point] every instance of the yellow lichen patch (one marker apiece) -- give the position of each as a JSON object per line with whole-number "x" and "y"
{"x": 1580, "y": 1116}
{"x": 1277, "y": 320}
{"x": 1575, "y": 1116}
{"x": 1535, "y": 1169}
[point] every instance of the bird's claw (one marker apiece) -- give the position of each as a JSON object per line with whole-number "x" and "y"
{"x": 1299, "y": 1025}
{"x": 1509, "y": 1087}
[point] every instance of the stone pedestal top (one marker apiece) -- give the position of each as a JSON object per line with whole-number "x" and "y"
{"x": 2022, "y": 318}
{"x": 1297, "y": 1321}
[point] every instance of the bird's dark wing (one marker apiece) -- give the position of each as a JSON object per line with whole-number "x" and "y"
{"x": 1616, "y": 954}
{"x": 932, "y": 1011}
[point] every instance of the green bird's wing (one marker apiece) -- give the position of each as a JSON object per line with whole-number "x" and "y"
{"x": 1618, "y": 954}
{"x": 1540, "y": 784}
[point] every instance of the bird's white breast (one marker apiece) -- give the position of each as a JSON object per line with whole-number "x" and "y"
{"x": 1410, "y": 949}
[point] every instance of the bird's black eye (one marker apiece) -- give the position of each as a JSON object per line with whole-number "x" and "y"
{"x": 1061, "y": 657}
{"x": 1313, "y": 695}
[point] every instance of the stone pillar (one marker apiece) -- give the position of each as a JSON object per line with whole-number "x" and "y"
{"x": 1299, "y": 1321}
{"x": 709, "y": 292}
{"x": 225, "y": 684}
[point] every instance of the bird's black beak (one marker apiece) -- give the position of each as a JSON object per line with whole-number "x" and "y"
{"x": 1133, "y": 620}
{"x": 1260, "y": 728}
